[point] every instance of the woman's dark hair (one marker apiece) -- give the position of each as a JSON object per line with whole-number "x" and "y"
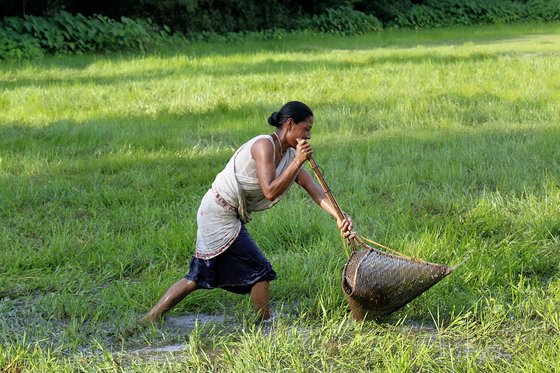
{"x": 296, "y": 110}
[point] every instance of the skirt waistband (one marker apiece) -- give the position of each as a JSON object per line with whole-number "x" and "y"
{"x": 222, "y": 202}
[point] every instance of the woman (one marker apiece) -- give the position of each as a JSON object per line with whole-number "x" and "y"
{"x": 256, "y": 177}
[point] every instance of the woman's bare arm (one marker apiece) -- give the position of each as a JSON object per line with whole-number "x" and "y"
{"x": 272, "y": 186}
{"x": 306, "y": 181}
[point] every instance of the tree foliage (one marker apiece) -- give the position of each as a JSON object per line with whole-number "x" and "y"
{"x": 32, "y": 36}
{"x": 222, "y": 16}
{"x": 34, "y": 28}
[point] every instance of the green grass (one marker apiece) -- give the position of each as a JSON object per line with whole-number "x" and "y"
{"x": 442, "y": 144}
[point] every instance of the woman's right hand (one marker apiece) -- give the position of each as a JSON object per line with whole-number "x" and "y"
{"x": 345, "y": 225}
{"x": 303, "y": 151}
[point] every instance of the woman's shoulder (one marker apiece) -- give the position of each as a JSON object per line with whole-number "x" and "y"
{"x": 261, "y": 140}
{"x": 262, "y": 137}
{"x": 259, "y": 143}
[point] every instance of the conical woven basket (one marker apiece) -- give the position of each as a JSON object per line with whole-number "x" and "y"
{"x": 377, "y": 283}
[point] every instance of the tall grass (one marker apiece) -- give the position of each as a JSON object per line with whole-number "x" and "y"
{"x": 441, "y": 144}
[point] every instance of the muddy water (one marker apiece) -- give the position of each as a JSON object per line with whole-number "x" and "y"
{"x": 159, "y": 350}
{"x": 189, "y": 322}
{"x": 183, "y": 324}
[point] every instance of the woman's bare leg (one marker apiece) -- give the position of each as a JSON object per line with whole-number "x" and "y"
{"x": 172, "y": 296}
{"x": 260, "y": 297}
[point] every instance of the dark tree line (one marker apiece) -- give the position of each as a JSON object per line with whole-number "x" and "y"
{"x": 206, "y": 15}
{"x": 222, "y": 16}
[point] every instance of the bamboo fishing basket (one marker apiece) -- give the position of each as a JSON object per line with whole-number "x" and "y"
{"x": 376, "y": 282}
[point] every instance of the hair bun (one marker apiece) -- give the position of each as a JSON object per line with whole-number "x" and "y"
{"x": 297, "y": 111}
{"x": 274, "y": 119}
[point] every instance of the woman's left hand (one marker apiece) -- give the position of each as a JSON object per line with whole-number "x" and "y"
{"x": 345, "y": 225}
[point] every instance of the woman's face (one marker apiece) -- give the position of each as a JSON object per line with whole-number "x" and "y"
{"x": 300, "y": 130}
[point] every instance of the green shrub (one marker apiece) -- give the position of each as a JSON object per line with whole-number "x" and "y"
{"x": 383, "y": 10}
{"x": 439, "y": 13}
{"x": 543, "y": 10}
{"x": 17, "y": 46}
{"x": 418, "y": 16}
{"x": 31, "y": 36}
{"x": 345, "y": 21}
{"x": 269, "y": 34}
{"x": 217, "y": 16}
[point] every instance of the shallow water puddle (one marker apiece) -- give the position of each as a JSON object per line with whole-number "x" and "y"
{"x": 180, "y": 325}
{"x": 189, "y": 322}
{"x": 158, "y": 350}
{"x": 169, "y": 353}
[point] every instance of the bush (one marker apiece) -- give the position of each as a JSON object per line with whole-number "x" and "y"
{"x": 345, "y": 21}
{"x": 16, "y": 46}
{"x": 31, "y": 36}
{"x": 543, "y": 10}
{"x": 216, "y": 16}
{"x": 384, "y": 10}
{"x": 439, "y": 13}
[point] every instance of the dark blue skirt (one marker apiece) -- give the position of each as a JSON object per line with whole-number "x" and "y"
{"x": 237, "y": 269}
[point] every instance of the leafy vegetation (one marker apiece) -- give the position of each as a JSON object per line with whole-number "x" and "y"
{"x": 442, "y": 144}
{"x": 214, "y": 20}
{"x": 439, "y": 13}
{"x": 345, "y": 21}
{"x": 32, "y": 37}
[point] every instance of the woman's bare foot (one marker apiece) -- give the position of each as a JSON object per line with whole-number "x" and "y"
{"x": 172, "y": 296}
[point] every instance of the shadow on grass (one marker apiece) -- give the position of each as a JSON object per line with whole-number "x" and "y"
{"x": 164, "y": 130}
{"x": 191, "y": 135}
{"x": 223, "y": 69}
{"x": 312, "y": 45}
{"x": 401, "y": 38}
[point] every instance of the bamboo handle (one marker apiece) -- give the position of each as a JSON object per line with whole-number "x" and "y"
{"x": 324, "y": 185}
{"x": 331, "y": 198}
{"x": 326, "y": 188}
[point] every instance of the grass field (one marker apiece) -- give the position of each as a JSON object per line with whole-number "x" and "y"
{"x": 442, "y": 144}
